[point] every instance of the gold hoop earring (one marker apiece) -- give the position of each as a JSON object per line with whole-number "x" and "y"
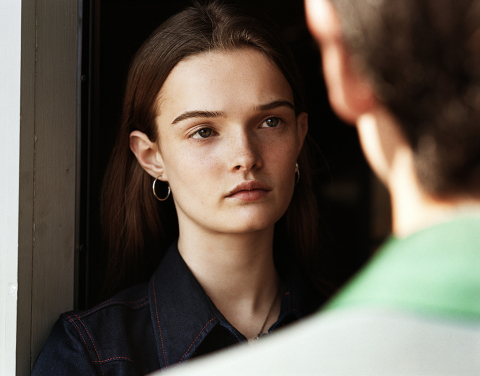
{"x": 297, "y": 173}
{"x": 155, "y": 194}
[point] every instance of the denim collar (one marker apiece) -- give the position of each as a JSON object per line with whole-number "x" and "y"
{"x": 183, "y": 315}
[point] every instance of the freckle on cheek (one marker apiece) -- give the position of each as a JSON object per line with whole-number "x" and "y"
{"x": 207, "y": 164}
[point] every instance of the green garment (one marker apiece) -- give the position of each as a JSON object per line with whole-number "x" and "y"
{"x": 435, "y": 271}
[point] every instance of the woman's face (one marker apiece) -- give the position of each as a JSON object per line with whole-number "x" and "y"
{"x": 228, "y": 141}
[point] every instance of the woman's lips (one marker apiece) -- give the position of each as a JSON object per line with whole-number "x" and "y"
{"x": 250, "y": 190}
{"x": 253, "y": 195}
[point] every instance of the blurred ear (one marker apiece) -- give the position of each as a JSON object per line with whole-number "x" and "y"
{"x": 147, "y": 154}
{"x": 349, "y": 92}
{"x": 302, "y": 128}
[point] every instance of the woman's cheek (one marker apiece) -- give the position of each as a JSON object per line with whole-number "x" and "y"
{"x": 199, "y": 163}
{"x": 285, "y": 152}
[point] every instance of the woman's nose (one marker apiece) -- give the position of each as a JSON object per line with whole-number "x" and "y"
{"x": 244, "y": 152}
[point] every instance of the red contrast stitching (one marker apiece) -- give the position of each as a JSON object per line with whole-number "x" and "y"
{"x": 287, "y": 294}
{"x": 113, "y": 301}
{"x": 91, "y": 339}
{"x": 158, "y": 321}
{"x": 195, "y": 340}
{"x": 116, "y": 358}
{"x": 85, "y": 343}
{"x": 70, "y": 318}
{"x": 123, "y": 301}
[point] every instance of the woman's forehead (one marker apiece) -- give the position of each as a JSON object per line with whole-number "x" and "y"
{"x": 216, "y": 80}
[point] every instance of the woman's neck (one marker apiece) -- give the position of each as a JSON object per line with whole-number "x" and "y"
{"x": 238, "y": 274}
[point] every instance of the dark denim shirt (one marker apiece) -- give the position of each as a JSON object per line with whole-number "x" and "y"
{"x": 155, "y": 325}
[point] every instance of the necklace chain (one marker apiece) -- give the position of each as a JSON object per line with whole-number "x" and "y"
{"x": 260, "y": 333}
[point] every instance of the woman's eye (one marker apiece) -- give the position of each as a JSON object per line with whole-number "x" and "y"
{"x": 271, "y": 122}
{"x": 202, "y": 133}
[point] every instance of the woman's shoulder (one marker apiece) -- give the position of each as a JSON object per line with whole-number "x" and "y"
{"x": 113, "y": 321}
{"x": 130, "y": 300}
{"x": 116, "y": 333}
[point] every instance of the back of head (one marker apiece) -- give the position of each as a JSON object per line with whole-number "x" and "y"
{"x": 423, "y": 58}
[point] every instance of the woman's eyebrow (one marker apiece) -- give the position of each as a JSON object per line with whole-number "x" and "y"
{"x": 195, "y": 114}
{"x": 275, "y": 104}
{"x": 213, "y": 114}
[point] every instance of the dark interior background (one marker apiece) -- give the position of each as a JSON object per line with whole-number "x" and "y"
{"x": 353, "y": 206}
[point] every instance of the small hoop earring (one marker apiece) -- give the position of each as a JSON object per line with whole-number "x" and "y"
{"x": 155, "y": 194}
{"x": 297, "y": 173}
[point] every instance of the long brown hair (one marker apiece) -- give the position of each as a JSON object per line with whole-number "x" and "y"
{"x": 138, "y": 228}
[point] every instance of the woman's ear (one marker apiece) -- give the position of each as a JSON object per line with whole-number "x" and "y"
{"x": 349, "y": 92}
{"x": 302, "y": 128}
{"x": 148, "y": 154}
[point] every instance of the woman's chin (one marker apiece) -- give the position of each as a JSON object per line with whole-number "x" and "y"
{"x": 247, "y": 224}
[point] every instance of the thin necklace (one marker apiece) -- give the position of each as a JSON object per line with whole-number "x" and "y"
{"x": 260, "y": 333}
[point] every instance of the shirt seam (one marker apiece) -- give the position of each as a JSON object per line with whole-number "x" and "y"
{"x": 85, "y": 343}
{"x": 158, "y": 320}
{"x": 110, "y": 303}
{"x": 114, "y": 358}
{"x": 195, "y": 340}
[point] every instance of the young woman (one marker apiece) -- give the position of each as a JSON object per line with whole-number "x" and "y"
{"x": 213, "y": 123}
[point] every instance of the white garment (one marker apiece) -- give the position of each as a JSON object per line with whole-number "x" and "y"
{"x": 353, "y": 342}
